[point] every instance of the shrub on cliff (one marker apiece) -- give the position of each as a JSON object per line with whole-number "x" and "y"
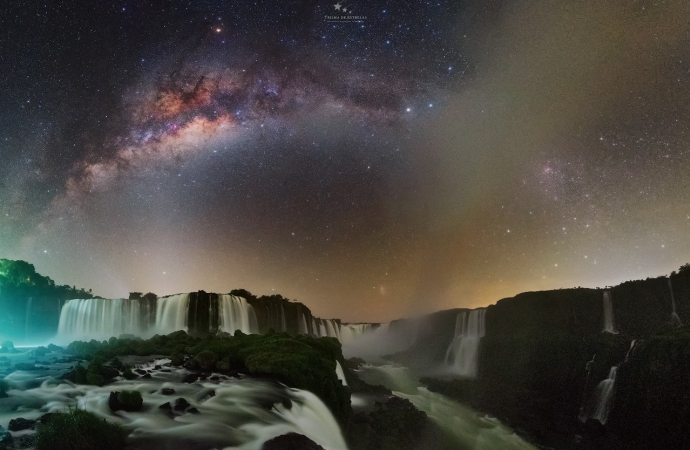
{"x": 79, "y": 430}
{"x": 206, "y": 359}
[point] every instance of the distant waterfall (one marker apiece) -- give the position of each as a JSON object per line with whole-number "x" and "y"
{"x": 609, "y": 324}
{"x": 604, "y": 397}
{"x": 283, "y": 323}
{"x": 26, "y": 321}
{"x": 237, "y": 314}
{"x": 352, "y": 331}
{"x": 98, "y": 318}
{"x": 171, "y": 313}
{"x": 340, "y": 373}
{"x": 462, "y": 356}
{"x": 674, "y": 315}
{"x": 302, "y": 325}
{"x": 630, "y": 350}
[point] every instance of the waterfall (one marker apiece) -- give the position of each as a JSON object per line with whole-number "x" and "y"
{"x": 237, "y": 314}
{"x": 303, "y": 329}
{"x": 99, "y": 318}
{"x": 352, "y": 331}
{"x": 609, "y": 324}
{"x": 604, "y": 395}
{"x": 630, "y": 350}
{"x": 462, "y": 356}
{"x": 314, "y": 328}
{"x": 171, "y": 313}
{"x": 340, "y": 372}
{"x": 283, "y": 323}
{"x": 26, "y": 322}
{"x": 322, "y": 328}
{"x": 674, "y": 316}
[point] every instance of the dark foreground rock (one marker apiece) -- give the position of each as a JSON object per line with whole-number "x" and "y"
{"x": 20, "y": 424}
{"x": 396, "y": 425}
{"x": 291, "y": 441}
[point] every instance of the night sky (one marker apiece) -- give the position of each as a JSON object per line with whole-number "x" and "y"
{"x": 433, "y": 155}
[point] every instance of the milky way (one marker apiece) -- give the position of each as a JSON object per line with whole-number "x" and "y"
{"x": 431, "y": 155}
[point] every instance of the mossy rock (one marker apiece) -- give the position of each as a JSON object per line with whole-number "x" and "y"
{"x": 125, "y": 401}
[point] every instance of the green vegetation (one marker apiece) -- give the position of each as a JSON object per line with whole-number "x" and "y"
{"x": 79, "y": 430}
{"x": 298, "y": 361}
{"x": 20, "y": 279}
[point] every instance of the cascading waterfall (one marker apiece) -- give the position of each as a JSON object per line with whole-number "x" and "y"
{"x": 604, "y": 395}
{"x": 237, "y": 314}
{"x": 352, "y": 331}
{"x": 303, "y": 329}
{"x": 462, "y": 356}
{"x": 26, "y": 322}
{"x": 171, "y": 313}
{"x": 98, "y": 318}
{"x": 609, "y": 324}
{"x": 283, "y": 323}
{"x": 674, "y": 315}
{"x": 340, "y": 373}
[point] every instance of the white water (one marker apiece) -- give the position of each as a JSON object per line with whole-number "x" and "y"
{"x": 604, "y": 397}
{"x": 98, "y": 318}
{"x": 236, "y": 314}
{"x": 674, "y": 315}
{"x": 171, "y": 313}
{"x": 462, "y": 356}
{"x": 351, "y": 331}
{"x": 303, "y": 328}
{"x": 238, "y": 416}
{"x": 340, "y": 373}
{"x": 283, "y": 323}
{"x": 632, "y": 346}
{"x": 609, "y": 324}
{"x": 470, "y": 429}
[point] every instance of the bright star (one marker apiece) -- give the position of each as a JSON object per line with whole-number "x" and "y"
{"x": 337, "y": 6}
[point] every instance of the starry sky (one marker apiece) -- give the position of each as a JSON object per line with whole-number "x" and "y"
{"x": 425, "y": 155}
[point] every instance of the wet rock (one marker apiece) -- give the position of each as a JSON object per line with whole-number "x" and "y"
{"x": 287, "y": 403}
{"x": 125, "y": 401}
{"x": 168, "y": 391}
{"x": 181, "y": 404}
{"x": 203, "y": 377}
{"x": 20, "y": 424}
{"x": 6, "y": 441}
{"x": 166, "y": 406}
{"x": 148, "y": 375}
{"x": 140, "y": 371}
{"x": 157, "y": 367}
{"x": 54, "y": 348}
{"x": 190, "y": 378}
{"x": 109, "y": 372}
{"x": 291, "y": 441}
{"x": 7, "y": 347}
{"x": 214, "y": 378}
{"x": 193, "y": 410}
